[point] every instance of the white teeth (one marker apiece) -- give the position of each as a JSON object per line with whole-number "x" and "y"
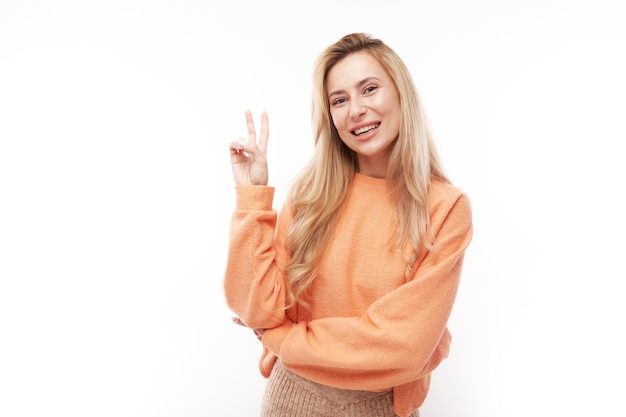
{"x": 365, "y": 129}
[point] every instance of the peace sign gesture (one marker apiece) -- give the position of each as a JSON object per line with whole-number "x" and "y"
{"x": 248, "y": 159}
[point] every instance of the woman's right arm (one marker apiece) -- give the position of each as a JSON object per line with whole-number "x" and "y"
{"x": 253, "y": 281}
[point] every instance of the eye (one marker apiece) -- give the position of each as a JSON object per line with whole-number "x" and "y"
{"x": 370, "y": 89}
{"x": 338, "y": 101}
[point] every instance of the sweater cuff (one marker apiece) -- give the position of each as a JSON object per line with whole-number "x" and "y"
{"x": 254, "y": 197}
{"x": 273, "y": 338}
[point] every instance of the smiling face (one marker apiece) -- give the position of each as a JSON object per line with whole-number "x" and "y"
{"x": 365, "y": 108}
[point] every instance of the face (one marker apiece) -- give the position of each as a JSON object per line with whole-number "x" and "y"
{"x": 365, "y": 108}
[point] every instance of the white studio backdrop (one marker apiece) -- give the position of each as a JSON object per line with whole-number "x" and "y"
{"x": 116, "y": 194}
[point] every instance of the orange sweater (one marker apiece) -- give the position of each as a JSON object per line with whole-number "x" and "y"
{"x": 369, "y": 328}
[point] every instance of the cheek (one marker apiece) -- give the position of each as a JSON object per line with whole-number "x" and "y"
{"x": 336, "y": 118}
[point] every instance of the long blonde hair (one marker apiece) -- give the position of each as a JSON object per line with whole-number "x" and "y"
{"x": 319, "y": 191}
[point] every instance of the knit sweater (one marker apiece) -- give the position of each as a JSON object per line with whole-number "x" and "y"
{"x": 368, "y": 328}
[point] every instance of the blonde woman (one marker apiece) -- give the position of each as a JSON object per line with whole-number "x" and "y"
{"x": 350, "y": 285}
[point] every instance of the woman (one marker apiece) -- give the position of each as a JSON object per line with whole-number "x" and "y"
{"x": 350, "y": 287}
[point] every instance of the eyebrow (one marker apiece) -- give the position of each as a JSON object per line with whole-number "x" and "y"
{"x": 359, "y": 84}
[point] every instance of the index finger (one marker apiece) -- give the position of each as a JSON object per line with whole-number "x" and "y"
{"x": 251, "y": 128}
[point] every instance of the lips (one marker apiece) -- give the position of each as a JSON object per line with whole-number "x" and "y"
{"x": 365, "y": 129}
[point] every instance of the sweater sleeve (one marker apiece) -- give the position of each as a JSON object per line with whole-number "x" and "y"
{"x": 253, "y": 282}
{"x": 401, "y": 337}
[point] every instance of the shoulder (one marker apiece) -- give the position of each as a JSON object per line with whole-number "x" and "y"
{"x": 441, "y": 191}
{"x": 444, "y": 197}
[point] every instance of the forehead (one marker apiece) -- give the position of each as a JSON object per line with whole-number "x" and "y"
{"x": 353, "y": 68}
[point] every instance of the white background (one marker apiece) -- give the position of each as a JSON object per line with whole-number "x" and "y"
{"x": 116, "y": 194}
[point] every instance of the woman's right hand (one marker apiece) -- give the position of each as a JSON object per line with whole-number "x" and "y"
{"x": 248, "y": 159}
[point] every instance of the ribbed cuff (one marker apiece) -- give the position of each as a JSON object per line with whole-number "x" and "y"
{"x": 273, "y": 338}
{"x": 254, "y": 197}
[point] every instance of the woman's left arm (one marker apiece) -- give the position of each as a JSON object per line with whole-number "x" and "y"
{"x": 402, "y": 336}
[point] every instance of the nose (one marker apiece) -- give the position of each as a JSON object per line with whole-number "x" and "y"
{"x": 357, "y": 108}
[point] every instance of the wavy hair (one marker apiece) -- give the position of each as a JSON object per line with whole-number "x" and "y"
{"x": 320, "y": 189}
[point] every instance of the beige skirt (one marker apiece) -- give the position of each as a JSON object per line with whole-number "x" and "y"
{"x": 290, "y": 395}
